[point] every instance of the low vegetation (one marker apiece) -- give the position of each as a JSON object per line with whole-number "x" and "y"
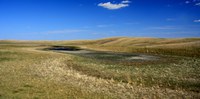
{"x": 29, "y": 72}
{"x": 181, "y": 47}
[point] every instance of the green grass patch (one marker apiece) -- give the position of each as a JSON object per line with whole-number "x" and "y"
{"x": 5, "y": 59}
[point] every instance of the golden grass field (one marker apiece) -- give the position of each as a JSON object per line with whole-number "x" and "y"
{"x": 29, "y": 72}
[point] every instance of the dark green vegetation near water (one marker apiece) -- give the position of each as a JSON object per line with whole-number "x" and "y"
{"x": 95, "y": 69}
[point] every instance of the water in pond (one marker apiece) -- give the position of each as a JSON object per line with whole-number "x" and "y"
{"x": 106, "y": 56}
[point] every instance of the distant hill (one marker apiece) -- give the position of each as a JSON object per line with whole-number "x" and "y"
{"x": 141, "y": 42}
{"x": 171, "y": 46}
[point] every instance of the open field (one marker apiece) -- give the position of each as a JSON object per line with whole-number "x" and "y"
{"x": 29, "y": 71}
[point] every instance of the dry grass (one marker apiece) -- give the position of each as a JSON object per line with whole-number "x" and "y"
{"x": 29, "y": 73}
{"x": 35, "y": 74}
{"x": 181, "y": 47}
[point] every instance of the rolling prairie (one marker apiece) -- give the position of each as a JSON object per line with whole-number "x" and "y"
{"x": 29, "y": 71}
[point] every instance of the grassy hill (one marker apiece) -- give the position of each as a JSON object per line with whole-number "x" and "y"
{"x": 170, "y": 46}
{"x": 28, "y": 72}
{"x": 121, "y": 41}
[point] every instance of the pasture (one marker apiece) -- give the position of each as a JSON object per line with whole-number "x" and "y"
{"x": 125, "y": 68}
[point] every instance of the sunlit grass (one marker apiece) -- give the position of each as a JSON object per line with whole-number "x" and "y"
{"x": 27, "y": 72}
{"x": 168, "y": 75}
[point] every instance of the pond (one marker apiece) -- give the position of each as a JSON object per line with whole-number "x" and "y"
{"x": 105, "y": 55}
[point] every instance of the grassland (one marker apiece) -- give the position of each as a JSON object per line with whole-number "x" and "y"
{"x": 29, "y": 72}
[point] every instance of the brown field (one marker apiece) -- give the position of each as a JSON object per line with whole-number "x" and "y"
{"x": 27, "y": 71}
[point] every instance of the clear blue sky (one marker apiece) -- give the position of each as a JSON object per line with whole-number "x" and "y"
{"x": 93, "y": 19}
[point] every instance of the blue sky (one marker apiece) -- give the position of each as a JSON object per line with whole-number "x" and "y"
{"x": 93, "y": 19}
